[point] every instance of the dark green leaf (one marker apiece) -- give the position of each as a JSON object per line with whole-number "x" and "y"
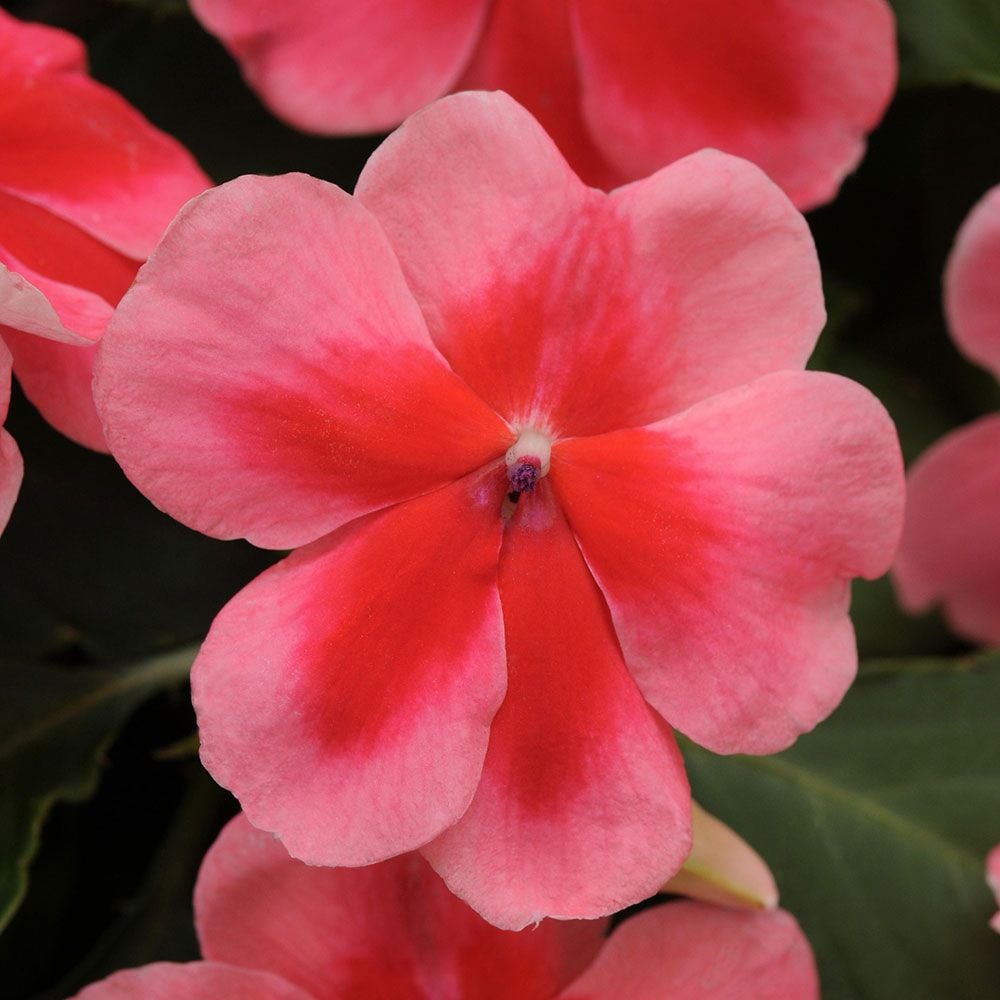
{"x": 55, "y": 725}
{"x": 949, "y": 41}
{"x": 877, "y": 826}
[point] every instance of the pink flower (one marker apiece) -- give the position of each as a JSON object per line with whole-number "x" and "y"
{"x": 87, "y": 187}
{"x": 272, "y": 928}
{"x": 993, "y": 880}
{"x": 950, "y": 551}
{"x": 556, "y": 478}
{"x": 623, "y": 88}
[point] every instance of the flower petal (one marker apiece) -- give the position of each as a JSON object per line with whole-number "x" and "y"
{"x": 81, "y": 151}
{"x": 695, "y": 951}
{"x": 575, "y": 312}
{"x": 950, "y": 550}
{"x": 345, "y": 696}
{"x": 357, "y": 66}
{"x": 725, "y": 539}
{"x": 194, "y": 981}
{"x": 792, "y": 87}
{"x": 583, "y": 806}
{"x": 993, "y": 880}
{"x": 11, "y": 465}
{"x": 971, "y": 288}
{"x": 385, "y": 930}
{"x": 58, "y": 379}
{"x": 27, "y": 303}
{"x": 269, "y": 375}
{"x": 527, "y": 51}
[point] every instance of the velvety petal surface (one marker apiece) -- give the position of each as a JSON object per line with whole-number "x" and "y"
{"x": 725, "y": 539}
{"x": 577, "y": 312}
{"x": 346, "y": 65}
{"x": 793, "y": 87}
{"x": 527, "y": 51}
{"x": 82, "y": 152}
{"x": 583, "y": 807}
{"x": 696, "y": 951}
{"x": 950, "y": 551}
{"x": 345, "y": 696}
{"x": 270, "y": 376}
{"x": 194, "y": 981}
{"x": 387, "y": 930}
{"x": 971, "y": 285}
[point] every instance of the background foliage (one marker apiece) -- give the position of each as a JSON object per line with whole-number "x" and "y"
{"x": 876, "y": 825}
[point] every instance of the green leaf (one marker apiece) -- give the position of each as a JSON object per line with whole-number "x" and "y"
{"x": 949, "y": 41}
{"x": 877, "y": 825}
{"x": 54, "y": 727}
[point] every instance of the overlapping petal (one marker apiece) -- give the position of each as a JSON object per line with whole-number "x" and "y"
{"x": 795, "y": 88}
{"x": 950, "y": 550}
{"x": 270, "y": 375}
{"x": 971, "y": 286}
{"x": 725, "y": 539}
{"x": 385, "y": 930}
{"x": 696, "y": 951}
{"x": 194, "y": 981}
{"x": 82, "y": 152}
{"x": 347, "y": 67}
{"x": 581, "y": 313}
{"x": 993, "y": 879}
{"x": 345, "y": 696}
{"x": 583, "y": 807}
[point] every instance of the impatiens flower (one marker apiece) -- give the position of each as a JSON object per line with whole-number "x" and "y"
{"x": 993, "y": 879}
{"x": 87, "y": 187}
{"x": 556, "y": 481}
{"x": 624, "y": 88}
{"x": 950, "y": 552}
{"x": 272, "y": 928}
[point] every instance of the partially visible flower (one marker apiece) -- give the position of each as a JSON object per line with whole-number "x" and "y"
{"x": 11, "y": 466}
{"x": 554, "y": 479}
{"x": 272, "y": 928}
{"x": 87, "y": 186}
{"x": 950, "y": 550}
{"x": 993, "y": 879}
{"x": 624, "y": 88}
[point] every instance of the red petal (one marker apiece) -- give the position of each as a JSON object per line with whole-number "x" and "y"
{"x": 579, "y": 313}
{"x": 346, "y": 695}
{"x": 78, "y": 150}
{"x": 270, "y": 375}
{"x": 346, "y": 65}
{"x": 792, "y": 87}
{"x": 695, "y": 951}
{"x": 725, "y": 539}
{"x": 583, "y": 807}
{"x": 387, "y": 930}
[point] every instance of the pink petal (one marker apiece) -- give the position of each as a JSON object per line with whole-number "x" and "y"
{"x": 58, "y": 378}
{"x": 346, "y": 65}
{"x": 527, "y": 51}
{"x": 581, "y": 313}
{"x": 270, "y": 375}
{"x": 695, "y": 951}
{"x": 345, "y": 696}
{"x": 11, "y": 466}
{"x": 725, "y": 539}
{"x": 388, "y": 930}
{"x": 194, "y": 981}
{"x": 81, "y": 151}
{"x": 583, "y": 807}
{"x": 993, "y": 880}
{"x": 971, "y": 286}
{"x": 950, "y": 550}
{"x": 795, "y": 88}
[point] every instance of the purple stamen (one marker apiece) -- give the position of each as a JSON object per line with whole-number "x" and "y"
{"x": 524, "y": 475}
